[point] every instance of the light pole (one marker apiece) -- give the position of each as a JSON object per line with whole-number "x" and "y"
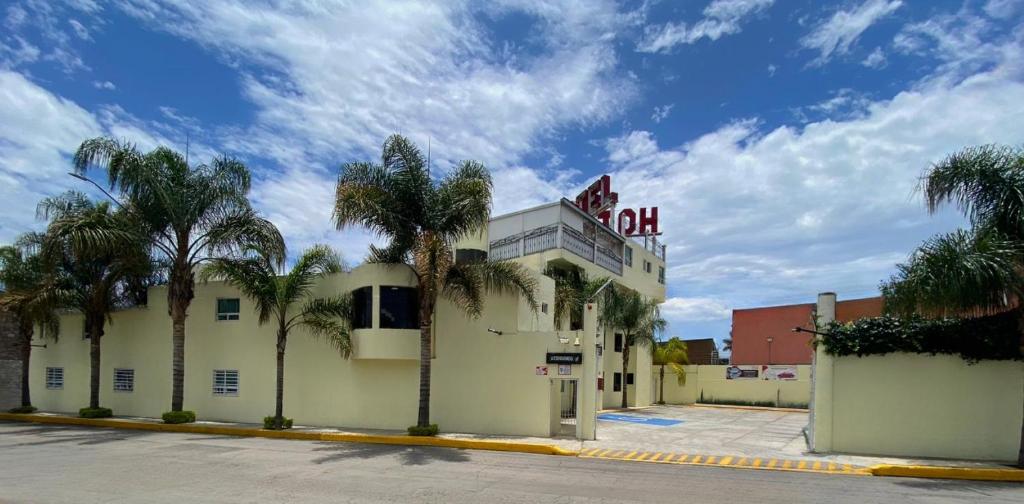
{"x": 770, "y": 339}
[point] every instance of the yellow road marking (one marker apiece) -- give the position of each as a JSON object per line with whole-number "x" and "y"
{"x": 847, "y": 468}
{"x": 696, "y": 459}
{"x": 742, "y": 462}
{"x": 616, "y": 454}
{"x": 668, "y": 458}
{"x": 787, "y": 464}
{"x": 656, "y": 457}
{"x": 710, "y": 460}
{"x": 682, "y": 459}
{"x": 757, "y": 462}
{"x": 725, "y": 461}
{"x": 631, "y": 455}
{"x": 831, "y": 466}
{"x": 802, "y": 465}
{"x": 772, "y": 463}
{"x": 817, "y": 466}
{"x": 602, "y": 453}
{"x": 644, "y": 456}
{"x": 590, "y": 452}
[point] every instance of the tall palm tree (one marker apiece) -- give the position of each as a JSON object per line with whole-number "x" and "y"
{"x": 24, "y": 279}
{"x": 638, "y": 318}
{"x": 192, "y": 214}
{"x": 276, "y": 298}
{"x": 422, "y": 219}
{"x": 672, "y": 353}
{"x": 975, "y": 271}
{"x": 573, "y": 288}
{"x": 97, "y": 264}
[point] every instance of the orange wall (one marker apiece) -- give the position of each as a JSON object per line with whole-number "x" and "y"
{"x": 751, "y": 327}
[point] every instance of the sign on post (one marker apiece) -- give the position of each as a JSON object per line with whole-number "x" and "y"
{"x": 564, "y": 358}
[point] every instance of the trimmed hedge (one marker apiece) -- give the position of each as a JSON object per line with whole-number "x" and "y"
{"x": 22, "y": 410}
{"x": 992, "y": 337}
{"x": 268, "y": 423}
{"x": 176, "y": 417}
{"x": 430, "y": 430}
{"x": 95, "y": 412}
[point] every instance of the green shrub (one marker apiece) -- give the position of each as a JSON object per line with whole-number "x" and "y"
{"x": 176, "y": 417}
{"x": 268, "y": 423}
{"x": 993, "y": 337}
{"x": 730, "y": 402}
{"x": 95, "y": 413}
{"x": 430, "y": 430}
{"x": 23, "y": 410}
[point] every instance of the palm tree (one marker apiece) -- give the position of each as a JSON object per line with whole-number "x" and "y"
{"x": 671, "y": 353}
{"x": 97, "y": 265}
{"x": 975, "y": 271}
{"x": 24, "y": 279}
{"x": 573, "y": 288}
{"x": 727, "y": 344}
{"x": 192, "y": 215}
{"x": 422, "y": 219}
{"x": 638, "y": 318}
{"x": 276, "y": 298}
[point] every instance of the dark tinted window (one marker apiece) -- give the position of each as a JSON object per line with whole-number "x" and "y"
{"x": 398, "y": 308}
{"x": 618, "y": 342}
{"x": 617, "y": 383}
{"x": 629, "y": 378}
{"x": 470, "y": 256}
{"x": 362, "y": 308}
{"x": 228, "y": 309}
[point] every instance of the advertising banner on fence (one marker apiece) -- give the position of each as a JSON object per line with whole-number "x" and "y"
{"x": 778, "y": 372}
{"x": 741, "y": 372}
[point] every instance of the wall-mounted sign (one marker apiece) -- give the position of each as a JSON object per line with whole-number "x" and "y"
{"x": 599, "y": 200}
{"x": 564, "y": 369}
{"x": 778, "y": 372}
{"x": 740, "y": 372}
{"x": 564, "y": 358}
{"x": 541, "y": 370}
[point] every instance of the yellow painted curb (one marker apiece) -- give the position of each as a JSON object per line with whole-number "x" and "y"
{"x": 961, "y": 473}
{"x": 729, "y": 461}
{"x": 470, "y": 444}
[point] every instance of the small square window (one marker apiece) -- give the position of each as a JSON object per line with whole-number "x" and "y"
{"x": 225, "y": 382}
{"x": 228, "y": 309}
{"x": 124, "y": 380}
{"x": 629, "y": 378}
{"x": 617, "y": 382}
{"x": 55, "y": 378}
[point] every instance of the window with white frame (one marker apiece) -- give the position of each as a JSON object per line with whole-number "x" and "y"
{"x": 124, "y": 380}
{"x": 228, "y": 308}
{"x": 225, "y": 382}
{"x": 55, "y": 378}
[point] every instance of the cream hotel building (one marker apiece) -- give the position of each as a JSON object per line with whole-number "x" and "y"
{"x": 508, "y": 372}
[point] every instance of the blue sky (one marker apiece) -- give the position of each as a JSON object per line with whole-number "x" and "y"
{"x": 782, "y": 140}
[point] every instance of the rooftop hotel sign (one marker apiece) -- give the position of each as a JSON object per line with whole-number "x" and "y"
{"x": 599, "y": 200}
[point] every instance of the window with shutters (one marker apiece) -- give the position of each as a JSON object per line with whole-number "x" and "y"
{"x": 225, "y": 382}
{"x": 124, "y": 380}
{"x": 55, "y": 378}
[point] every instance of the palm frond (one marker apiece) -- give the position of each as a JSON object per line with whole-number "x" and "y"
{"x": 316, "y": 262}
{"x": 328, "y": 319}
{"x": 462, "y": 202}
{"x": 254, "y": 276}
{"x": 464, "y": 287}
{"x": 508, "y": 277}
{"x": 986, "y": 183}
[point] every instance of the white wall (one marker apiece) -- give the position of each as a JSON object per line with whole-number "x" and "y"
{"x": 708, "y": 382}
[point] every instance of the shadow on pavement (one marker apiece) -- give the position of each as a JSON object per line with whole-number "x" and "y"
{"x": 83, "y": 437}
{"x": 408, "y": 455}
{"x": 956, "y": 485}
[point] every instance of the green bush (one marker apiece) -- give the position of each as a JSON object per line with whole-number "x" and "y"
{"x": 176, "y": 417}
{"x": 430, "y": 430}
{"x": 730, "y": 402}
{"x": 268, "y": 423}
{"x": 23, "y": 410}
{"x": 993, "y": 337}
{"x": 95, "y": 413}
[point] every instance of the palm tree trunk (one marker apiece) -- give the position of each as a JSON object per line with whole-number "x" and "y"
{"x": 661, "y": 386}
{"x": 423, "y": 416}
{"x": 178, "y": 314}
{"x": 625, "y": 368}
{"x": 95, "y": 335}
{"x": 282, "y": 340}
{"x": 26, "y": 356}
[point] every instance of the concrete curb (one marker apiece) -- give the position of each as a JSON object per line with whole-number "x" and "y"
{"x": 751, "y": 408}
{"x": 956, "y": 473}
{"x": 470, "y": 444}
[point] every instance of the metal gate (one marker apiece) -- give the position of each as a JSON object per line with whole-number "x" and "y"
{"x": 569, "y": 392}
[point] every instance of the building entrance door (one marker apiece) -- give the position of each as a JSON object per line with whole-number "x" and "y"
{"x": 564, "y": 405}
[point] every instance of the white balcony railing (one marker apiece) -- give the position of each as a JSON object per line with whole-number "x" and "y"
{"x": 551, "y": 237}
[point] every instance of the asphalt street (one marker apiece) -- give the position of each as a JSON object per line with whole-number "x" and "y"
{"x": 42, "y": 463}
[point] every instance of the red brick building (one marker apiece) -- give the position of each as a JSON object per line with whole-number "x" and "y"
{"x": 765, "y": 335}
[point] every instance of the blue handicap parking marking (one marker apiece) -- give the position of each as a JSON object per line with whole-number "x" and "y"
{"x": 659, "y": 422}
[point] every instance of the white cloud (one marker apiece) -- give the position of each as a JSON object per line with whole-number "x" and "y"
{"x": 662, "y": 112}
{"x": 683, "y": 309}
{"x": 1003, "y": 9}
{"x": 772, "y": 69}
{"x": 80, "y": 30}
{"x": 876, "y": 59}
{"x": 756, "y": 216}
{"x": 721, "y": 17}
{"x": 836, "y": 35}
{"x": 105, "y": 85}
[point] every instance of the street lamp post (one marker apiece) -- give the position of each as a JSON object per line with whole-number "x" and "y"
{"x": 770, "y": 339}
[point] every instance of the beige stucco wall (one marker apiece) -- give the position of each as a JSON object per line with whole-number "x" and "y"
{"x": 482, "y": 382}
{"x": 925, "y": 406}
{"x": 708, "y": 383}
